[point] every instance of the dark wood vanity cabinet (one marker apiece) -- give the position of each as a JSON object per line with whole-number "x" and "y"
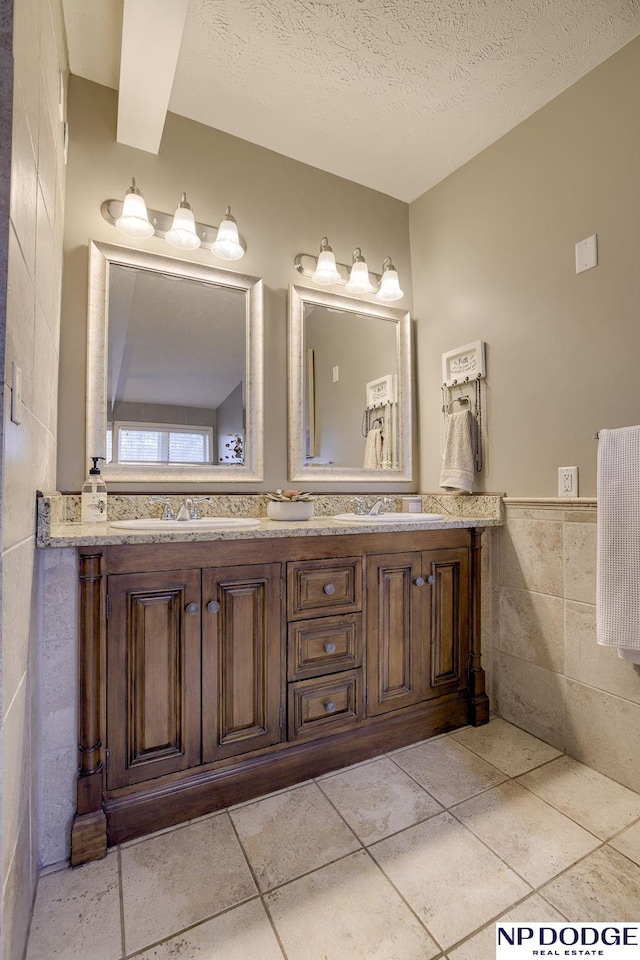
{"x": 213, "y": 672}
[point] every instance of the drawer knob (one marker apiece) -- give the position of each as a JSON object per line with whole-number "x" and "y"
{"x": 330, "y": 706}
{"x": 213, "y": 606}
{"x": 419, "y": 581}
{"x": 329, "y": 589}
{"x": 431, "y": 579}
{"x": 330, "y": 647}
{"x": 192, "y": 609}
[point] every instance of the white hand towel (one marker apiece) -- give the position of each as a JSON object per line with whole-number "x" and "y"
{"x": 373, "y": 449}
{"x": 618, "y": 563}
{"x": 458, "y": 463}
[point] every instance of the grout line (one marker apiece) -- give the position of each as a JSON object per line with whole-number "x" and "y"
{"x": 123, "y": 945}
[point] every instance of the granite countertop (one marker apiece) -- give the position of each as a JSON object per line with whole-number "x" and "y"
{"x": 59, "y": 526}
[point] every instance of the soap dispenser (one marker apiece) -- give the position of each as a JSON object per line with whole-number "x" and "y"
{"x": 94, "y": 496}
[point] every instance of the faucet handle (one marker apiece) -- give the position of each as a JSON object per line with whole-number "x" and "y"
{"x": 195, "y": 513}
{"x": 167, "y": 513}
{"x": 358, "y": 506}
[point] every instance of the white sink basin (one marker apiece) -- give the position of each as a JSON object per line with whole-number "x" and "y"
{"x": 185, "y": 526}
{"x": 387, "y": 517}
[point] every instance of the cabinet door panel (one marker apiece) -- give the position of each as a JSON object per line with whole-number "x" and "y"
{"x": 153, "y": 654}
{"x": 242, "y": 659}
{"x": 394, "y": 631}
{"x": 449, "y": 618}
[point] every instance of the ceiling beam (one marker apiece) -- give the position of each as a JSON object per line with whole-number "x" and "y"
{"x": 151, "y": 38}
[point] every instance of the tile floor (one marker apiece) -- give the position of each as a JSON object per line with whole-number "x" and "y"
{"x": 410, "y": 856}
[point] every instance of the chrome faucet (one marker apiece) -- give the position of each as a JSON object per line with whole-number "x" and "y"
{"x": 359, "y": 507}
{"x": 380, "y": 502}
{"x": 186, "y": 509}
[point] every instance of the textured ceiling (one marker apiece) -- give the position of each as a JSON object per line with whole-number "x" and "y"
{"x": 394, "y": 94}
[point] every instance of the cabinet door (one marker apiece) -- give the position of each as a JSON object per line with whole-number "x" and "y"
{"x": 395, "y": 674}
{"x": 448, "y": 572}
{"x": 153, "y": 670}
{"x": 242, "y": 659}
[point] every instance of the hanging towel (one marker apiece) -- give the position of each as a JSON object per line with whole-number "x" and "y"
{"x": 373, "y": 449}
{"x": 458, "y": 463}
{"x": 618, "y": 563}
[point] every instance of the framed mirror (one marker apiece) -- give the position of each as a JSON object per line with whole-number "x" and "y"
{"x": 174, "y": 369}
{"x": 349, "y": 374}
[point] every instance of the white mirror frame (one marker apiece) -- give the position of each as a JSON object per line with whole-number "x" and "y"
{"x": 101, "y": 256}
{"x": 298, "y": 297}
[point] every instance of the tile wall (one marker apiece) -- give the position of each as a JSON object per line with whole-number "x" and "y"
{"x": 553, "y": 680}
{"x": 32, "y": 341}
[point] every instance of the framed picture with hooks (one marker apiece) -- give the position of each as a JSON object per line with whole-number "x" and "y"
{"x": 464, "y": 364}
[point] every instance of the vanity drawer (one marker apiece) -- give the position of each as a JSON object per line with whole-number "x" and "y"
{"x": 316, "y": 587}
{"x": 325, "y": 705}
{"x": 324, "y": 645}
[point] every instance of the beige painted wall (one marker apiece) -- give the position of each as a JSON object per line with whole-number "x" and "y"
{"x": 283, "y": 207}
{"x": 493, "y": 259}
{"x": 32, "y": 335}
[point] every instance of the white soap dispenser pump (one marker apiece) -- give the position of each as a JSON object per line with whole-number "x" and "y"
{"x": 94, "y": 496}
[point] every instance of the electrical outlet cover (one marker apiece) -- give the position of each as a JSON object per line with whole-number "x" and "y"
{"x": 567, "y": 481}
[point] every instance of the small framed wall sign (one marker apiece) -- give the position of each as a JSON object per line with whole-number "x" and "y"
{"x": 464, "y": 364}
{"x": 381, "y": 391}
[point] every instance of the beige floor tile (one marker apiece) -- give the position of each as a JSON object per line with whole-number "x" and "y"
{"x": 482, "y": 946}
{"x": 243, "y": 933}
{"x": 535, "y": 839}
{"x": 347, "y": 911}
{"x": 290, "y": 834}
{"x": 604, "y": 886}
{"x": 448, "y": 770}
{"x": 449, "y": 878}
{"x": 179, "y": 878}
{"x": 77, "y": 914}
{"x": 506, "y": 747}
{"x": 379, "y": 799}
{"x": 629, "y": 843}
{"x": 594, "y": 801}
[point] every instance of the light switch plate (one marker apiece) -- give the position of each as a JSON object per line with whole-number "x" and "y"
{"x": 587, "y": 254}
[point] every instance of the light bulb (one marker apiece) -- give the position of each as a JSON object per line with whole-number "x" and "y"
{"x": 134, "y": 220}
{"x": 358, "y": 281}
{"x": 326, "y": 271}
{"x": 227, "y": 244}
{"x": 183, "y": 229}
{"x": 389, "y": 285}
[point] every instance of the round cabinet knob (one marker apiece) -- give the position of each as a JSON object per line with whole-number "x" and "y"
{"x": 330, "y": 647}
{"x": 330, "y": 706}
{"x": 329, "y": 589}
{"x": 213, "y": 606}
{"x": 431, "y": 579}
{"x": 192, "y": 609}
{"x": 419, "y": 581}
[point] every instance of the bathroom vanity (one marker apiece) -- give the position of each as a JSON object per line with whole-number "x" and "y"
{"x": 215, "y": 671}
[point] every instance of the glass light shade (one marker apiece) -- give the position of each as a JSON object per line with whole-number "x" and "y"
{"x": 390, "y": 286}
{"x": 358, "y": 281}
{"x": 134, "y": 221}
{"x": 227, "y": 244}
{"x": 183, "y": 229}
{"x": 326, "y": 271}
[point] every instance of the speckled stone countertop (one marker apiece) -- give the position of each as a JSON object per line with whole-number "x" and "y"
{"x": 58, "y": 519}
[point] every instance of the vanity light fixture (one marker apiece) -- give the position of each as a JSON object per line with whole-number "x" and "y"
{"x": 389, "y": 285}
{"x": 227, "y": 244}
{"x": 358, "y": 281}
{"x": 181, "y": 230}
{"x": 134, "y": 219}
{"x": 326, "y": 272}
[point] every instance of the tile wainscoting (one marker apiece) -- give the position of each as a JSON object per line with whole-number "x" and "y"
{"x": 548, "y": 675}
